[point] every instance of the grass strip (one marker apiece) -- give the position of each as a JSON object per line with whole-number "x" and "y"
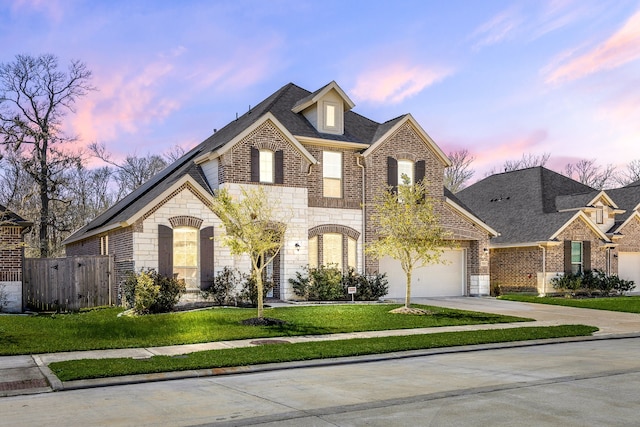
{"x": 103, "y": 329}
{"x": 627, "y": 304}
{"x": 274, "y": 353}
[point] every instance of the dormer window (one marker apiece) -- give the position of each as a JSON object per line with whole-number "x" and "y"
{"x": 329, "y": 115}
{"x": 599, "y": 215}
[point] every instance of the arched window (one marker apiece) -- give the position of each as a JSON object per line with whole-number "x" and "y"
{"x": 333, "y": 245}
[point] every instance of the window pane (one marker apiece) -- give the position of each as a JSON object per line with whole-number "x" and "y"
{"x": 405, "y": 167}
{"x": 330, "y": 115}
{"x": 351, "y": 253}
{"x": 576, "y": 252}
{"x": 332, "y": 250}
{"x": 332, "y": 174}
{"x": 266, "y": 166}
{"x": 313, "y": 252}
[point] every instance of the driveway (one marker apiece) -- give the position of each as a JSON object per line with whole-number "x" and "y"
{"x": 609, "y": 322}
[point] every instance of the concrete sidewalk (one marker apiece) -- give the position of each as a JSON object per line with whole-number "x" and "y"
{"x": 30, "y": 374}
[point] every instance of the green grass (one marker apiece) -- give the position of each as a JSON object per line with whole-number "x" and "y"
{"x": 102, "y": 329}
{"x": 100, "y": 368}
{"x": 629, "y": 304}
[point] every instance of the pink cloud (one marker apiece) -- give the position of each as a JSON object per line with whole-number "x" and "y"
{"x": 125, "y": 101}
{"x": 496, "y": 29}
{"x": 395, "y": 82}
{"x": 619, "y": 49}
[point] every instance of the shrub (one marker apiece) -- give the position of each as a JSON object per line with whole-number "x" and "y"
{"x": 593, "y": 281}
{"x": 329, "y": 284}
{"x": 224, "y": 287}
{"x": 369, "y": 288}
{"x": 249, "y": 292}
{"x": 150, "y": 292}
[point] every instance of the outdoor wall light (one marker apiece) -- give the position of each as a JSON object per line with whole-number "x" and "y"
{"x": 485, "y": 250}
{"x": 297, "y": 245}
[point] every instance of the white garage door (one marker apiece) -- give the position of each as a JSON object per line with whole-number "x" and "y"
{"x": 436, "y": 280}
{"x": 629, "y": 267}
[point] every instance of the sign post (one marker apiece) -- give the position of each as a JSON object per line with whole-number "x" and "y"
{"x": 351, "y": 290}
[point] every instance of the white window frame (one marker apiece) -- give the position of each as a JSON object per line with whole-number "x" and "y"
{"x": 192, "y": 280}
{"x": 267, "y": 166}
{"x": 332, "y": 172}
{"x": 406, "y": 167}
{"x": 577, "y": 266}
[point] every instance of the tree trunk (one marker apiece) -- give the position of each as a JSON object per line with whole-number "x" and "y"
{"x": 407, "y": 299}
{"x": 259, "y": 286}
{"x": 44, "y": 201}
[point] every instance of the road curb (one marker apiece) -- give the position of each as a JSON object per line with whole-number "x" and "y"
{"x": 200, "y": 373}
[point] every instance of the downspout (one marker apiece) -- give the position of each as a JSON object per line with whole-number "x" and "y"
{"x": 364, "y": 268}
{"x": 544, "y": 270}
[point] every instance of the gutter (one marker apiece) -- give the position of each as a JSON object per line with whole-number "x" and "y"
{"x": 364, "y": 217}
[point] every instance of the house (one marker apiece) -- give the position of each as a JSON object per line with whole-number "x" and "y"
{"x": 12, "y": 231}
{"x": 550, "y": 224}
{"x": 320, "y": 161}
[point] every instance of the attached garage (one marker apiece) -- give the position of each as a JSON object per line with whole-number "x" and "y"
{"x": 436, "y": 280}
{"x": 629, "y": 266}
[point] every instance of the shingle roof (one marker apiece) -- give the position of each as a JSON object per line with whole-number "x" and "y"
{"x": 12, "y": 217}
{"x": 356, "y": 129}
{"x": 521, "y": 205}
{"x": 627, "y": 198}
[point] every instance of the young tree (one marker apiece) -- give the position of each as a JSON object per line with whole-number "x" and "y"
{"x": 35, "y": 95}
{"x": 408, "y": 230}
{"x": 457, "y": 175}
{"x": 252, "y": 228}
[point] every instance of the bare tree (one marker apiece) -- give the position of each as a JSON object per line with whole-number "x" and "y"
{"x": 591, "y": 174}
{"x": 35, "y": 95}
{"x": 630, "y": 174}
{"x": 174, "y": 153}
{"x": 528, "y": 160}
{"x": 133, "y": 171}
{"x": 457, "y": 175}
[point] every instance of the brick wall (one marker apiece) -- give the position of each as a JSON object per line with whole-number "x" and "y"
{"x": 515, "y": 269}
{"x": 630, "y": 242}
{"x": 235, "y": 165}
{"x": 10, "y": 254}
{"x": 351, "y": 181}
{"x": 577, "y": 231}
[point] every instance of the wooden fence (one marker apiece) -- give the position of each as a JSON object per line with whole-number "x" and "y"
{"x": 68, "y": 284}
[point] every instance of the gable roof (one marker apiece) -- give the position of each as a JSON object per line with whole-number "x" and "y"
{"x": 628, "y": 199}
{"x": 277, "y": 107}
{"x": 12, "y": 218}
{"x": 522, "y": 205}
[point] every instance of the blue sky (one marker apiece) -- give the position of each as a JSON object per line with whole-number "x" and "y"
{"x": 499, "y": 78}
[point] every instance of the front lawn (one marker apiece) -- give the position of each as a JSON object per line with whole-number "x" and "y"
{"x": 629, "y": 304}
{"x": 212, "y": 359}
{"x": 102, "y": 329}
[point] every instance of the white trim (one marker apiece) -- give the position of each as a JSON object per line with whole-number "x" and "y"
{"x": 471, "y": 217}
{"x": 588, "y": 221}
{"x": 635, "y": 214}
{"x": 247, "y": 131}
{"x": 408, "y": 118}
{"x": 309, "y": 140}
{"x": 332, "y": 85}
{"x": 546, "y": 243}
{"x": 141, "y": 212}
{"x": 604, "y": 195}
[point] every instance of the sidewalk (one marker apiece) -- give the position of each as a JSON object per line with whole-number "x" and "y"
{"x": 30, "y": 374}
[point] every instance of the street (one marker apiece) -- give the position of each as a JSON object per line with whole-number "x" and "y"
{"x": 570, "y": 384}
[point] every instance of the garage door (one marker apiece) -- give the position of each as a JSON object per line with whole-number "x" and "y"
{"x": 629, "y": 267}
{"x": 436, "y": 280}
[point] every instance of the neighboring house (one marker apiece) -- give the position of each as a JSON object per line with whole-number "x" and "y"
{"x": 550, "y": 224}
{"x": 322, "y": 163}
{"x": 12, "y": 230}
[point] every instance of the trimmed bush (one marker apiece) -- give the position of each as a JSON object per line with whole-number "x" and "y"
{"x": 249, "y": 293}
{"x": 592, "y": 281}
{"x": 330, "y": 284}
{"x": 150, "y": 292}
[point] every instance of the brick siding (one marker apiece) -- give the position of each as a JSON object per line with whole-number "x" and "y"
{"x": 11, "y": 254}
